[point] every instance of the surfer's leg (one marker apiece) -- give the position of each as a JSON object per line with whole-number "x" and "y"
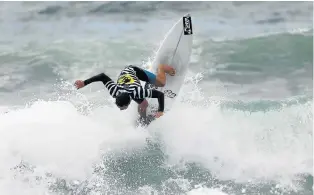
{"x": 144, "y": 75}
{"x": 160, "y": 79}
{"x": 151, "y": 77}
{"x": 161, "y": 74}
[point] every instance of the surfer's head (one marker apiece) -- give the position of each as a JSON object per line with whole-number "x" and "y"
{"x": 123, "y": 100}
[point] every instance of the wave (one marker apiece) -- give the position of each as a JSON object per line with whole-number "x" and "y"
{"x": 284, "y": 55}
{"x": 261, "y": 12}
{"x": 267, "y": 105}
{"x": 213, "y": 146}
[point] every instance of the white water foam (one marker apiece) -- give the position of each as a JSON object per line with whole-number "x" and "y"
{"x": 55, "y": 138}
{"x": 241, "y": 146}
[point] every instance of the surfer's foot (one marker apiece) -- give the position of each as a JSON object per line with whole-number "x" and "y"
{"x": 169, "y": 69}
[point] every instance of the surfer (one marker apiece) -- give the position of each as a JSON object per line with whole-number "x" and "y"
{"x": 128, "y": 87}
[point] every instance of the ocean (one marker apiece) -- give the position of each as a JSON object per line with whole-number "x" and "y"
{"x": 242, "y": 123}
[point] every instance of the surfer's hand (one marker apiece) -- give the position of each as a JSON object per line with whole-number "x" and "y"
{"x": 79, "y": 84}
{"x": 159, "y": 114}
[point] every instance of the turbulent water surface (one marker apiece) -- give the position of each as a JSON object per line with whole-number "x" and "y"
{"x": 242, "y": 123}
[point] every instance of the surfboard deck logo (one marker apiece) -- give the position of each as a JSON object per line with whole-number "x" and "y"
{"x": 187, "y": 25}
{"x": 150, "y": 86}
{"x": 169, "y": 93}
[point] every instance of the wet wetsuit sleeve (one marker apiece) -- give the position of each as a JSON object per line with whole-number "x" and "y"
{"x": 153, "y": 93}
{"x": 142, "y": 93}
{"x": 161, "y": 99}
{"x": 107, "y": 81}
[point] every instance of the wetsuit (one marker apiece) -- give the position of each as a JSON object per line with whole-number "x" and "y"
{"x": 129, "y": 81}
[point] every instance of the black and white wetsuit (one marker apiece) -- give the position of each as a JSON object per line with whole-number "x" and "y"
{"x": 129, "y": 82}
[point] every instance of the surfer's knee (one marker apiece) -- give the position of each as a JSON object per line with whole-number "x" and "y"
{"x": 162, "y": 67}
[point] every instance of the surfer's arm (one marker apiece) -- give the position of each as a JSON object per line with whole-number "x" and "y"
{"x": 161, "y": 99}
{"x": 107, "y": 81}
{"x": 100, "y": 77}
{"x": 143, "y": 93}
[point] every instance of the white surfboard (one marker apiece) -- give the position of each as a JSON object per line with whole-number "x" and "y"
{"x": 175, "y": 50}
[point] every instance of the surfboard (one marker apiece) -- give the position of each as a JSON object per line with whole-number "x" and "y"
{"x": 175, "y": 50}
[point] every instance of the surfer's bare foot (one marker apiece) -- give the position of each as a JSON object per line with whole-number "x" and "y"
{"x": 169, "y": 70}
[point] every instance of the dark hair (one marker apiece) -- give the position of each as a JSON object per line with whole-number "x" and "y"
{"x": 123, "y": 99}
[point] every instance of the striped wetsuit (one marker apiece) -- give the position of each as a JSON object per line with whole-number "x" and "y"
{"x": 129, "y": 82}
